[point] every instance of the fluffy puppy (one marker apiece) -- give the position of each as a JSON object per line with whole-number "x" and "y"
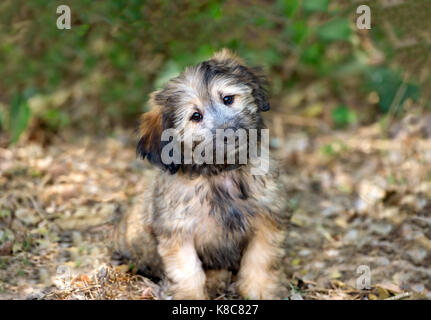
{"x": 198, "y": 218}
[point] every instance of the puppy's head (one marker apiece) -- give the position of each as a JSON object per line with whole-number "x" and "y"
{"x": 220, "y": 93}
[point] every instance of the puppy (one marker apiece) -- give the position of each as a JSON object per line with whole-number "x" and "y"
{"x": 202, "y": 217}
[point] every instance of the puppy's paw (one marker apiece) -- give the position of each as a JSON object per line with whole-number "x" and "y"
{"x": 259, "y": 291}
{"x": 181, "y": 293}
{"x": 192, "y": 288}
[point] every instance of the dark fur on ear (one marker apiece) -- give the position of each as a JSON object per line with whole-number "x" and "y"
{"x": 150, "y": 144}
{"x": 254, "y": 77}
{"x": 259, "y": 84}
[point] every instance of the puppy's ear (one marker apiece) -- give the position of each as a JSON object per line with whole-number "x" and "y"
{"x": 150, "y": 144}
{"x": 150, "y": 130}
{"x": 259, "y": 84}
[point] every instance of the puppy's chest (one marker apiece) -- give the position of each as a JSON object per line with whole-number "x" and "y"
{"x": 217, "y": 213}
{"x": 203, "y": 206}
{"x": 222, "y": 228}
{"x": 226, "y": 202}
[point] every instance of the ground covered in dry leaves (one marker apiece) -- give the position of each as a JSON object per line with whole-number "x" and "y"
{"x": 361, "y": 197}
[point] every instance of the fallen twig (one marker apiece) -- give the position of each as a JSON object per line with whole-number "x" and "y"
{"x": 399, "y": 296}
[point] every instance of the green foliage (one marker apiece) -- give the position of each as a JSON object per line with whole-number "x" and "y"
{"x": 342, "y": 116}
{"x": 334, "y": 149}
{"x": 2, "y": 120}
{"x": 336, "y": 29}
{"x": 19, "y": 116}
{"x": 391, "y": 88}
{"x": 290, "y": 7}
{"x": 55, "y": 118}
{"x": 316, "y": 5}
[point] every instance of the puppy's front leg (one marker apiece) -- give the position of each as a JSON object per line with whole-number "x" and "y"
{"x": 183, "y": 268}
{"x": 259, "y": 275}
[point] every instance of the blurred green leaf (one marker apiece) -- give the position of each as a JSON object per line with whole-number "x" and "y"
{"x": 335, "y": 29}
{"x": 313, "y": 54}
{"x": 315, "y": 5}
{"x": 2, "y": 120}
{"x": 390, "y": 87}
{"x": 328, "y": 150}
{"x": 290, "y": 7}
{"x": 55, "y": 118}
{"x": 342, "y": 116}
{"x": 82, "y": 30}
{"x": 19, "y": 116}
{"x": 299, "y": 31}
{"x": 215, "y": 10}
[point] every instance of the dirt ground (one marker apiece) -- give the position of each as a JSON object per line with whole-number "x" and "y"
{"x": 361, "y": 198}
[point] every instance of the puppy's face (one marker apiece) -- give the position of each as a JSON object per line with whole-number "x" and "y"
{"x": 221, "y": 93}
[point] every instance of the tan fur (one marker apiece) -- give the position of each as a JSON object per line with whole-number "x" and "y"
{"x": 183, "y": 267}
{"x": 227, "y": 55}
{"x": 259, "y": 276}
{"x": 151, "y": 127}
{"x": 199, "y": 223}
{"x": 217, "y": 281}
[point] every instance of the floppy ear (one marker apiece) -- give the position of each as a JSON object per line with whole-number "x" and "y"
{"x": 259, "y": 84}
{"x": 150, "y": 130}
{"x": 150, "y": 144}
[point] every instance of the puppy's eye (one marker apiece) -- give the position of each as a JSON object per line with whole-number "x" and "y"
{"x": 227, "y": 100}
{"x": 196, "y": 117}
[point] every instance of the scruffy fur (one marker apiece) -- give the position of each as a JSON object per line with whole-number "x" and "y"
{"x": 199, "y": 221}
